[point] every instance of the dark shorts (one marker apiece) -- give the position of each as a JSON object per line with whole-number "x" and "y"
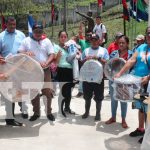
{"x": 93, "y": 89}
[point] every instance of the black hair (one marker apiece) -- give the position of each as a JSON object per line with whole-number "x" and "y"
{"x": 61, "y": 32}
{"x": 98, "y": 17}
{"x": 125, "y": 37}
{"x": 10, "y": 18}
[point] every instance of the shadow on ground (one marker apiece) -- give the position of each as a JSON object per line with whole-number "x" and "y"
{"x": 113, "y": 129}
{"x": 122, "y": 143}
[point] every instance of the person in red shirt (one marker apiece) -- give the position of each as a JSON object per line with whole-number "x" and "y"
{"x": 114, "y": 45}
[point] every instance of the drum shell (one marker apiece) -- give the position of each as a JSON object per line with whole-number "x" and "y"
{"x": 125, "y": 91}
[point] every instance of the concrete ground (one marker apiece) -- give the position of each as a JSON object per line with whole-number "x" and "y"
{"x": 71, "y": 133}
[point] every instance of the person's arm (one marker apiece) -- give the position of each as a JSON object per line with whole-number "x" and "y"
{"x": 145, "y": 80}
{"x": 129, "y": 64}
{"x": 83, "y": 15}
{"x": 24, "y": 50}
{"x": 50, "y": 53}
{"x": 103, "y": 33}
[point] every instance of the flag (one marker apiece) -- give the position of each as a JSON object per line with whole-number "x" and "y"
{"x": 52, "y": 11}
{"x": 125, "y": 10}
{"x": 139, "y": 10}
{"x": 3, "y": 23}
{"x": 100, "y": 3}
{"x": 30, "y": 24}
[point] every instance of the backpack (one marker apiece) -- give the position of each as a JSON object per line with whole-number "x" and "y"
{"x": 105, "y": 37}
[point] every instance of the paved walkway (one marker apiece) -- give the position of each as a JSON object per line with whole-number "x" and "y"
{"x": 72, "y": 133}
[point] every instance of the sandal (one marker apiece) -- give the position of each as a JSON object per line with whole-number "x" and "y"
{"x": 124, "y": 124}
{"x": 110, "y": 121}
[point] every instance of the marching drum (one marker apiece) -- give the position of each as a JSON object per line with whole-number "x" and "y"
{"x": 91, "y": 71}
{"x": 126, "y": 87}
{"x": 25, "y": 78}
{"x": 113, "y": 66}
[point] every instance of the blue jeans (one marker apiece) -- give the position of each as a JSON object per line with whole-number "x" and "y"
{"x": 114, "y": 104}
{"x": 80, "y": 88}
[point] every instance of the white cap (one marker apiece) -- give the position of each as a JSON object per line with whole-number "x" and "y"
{"x": 140, "y": 37}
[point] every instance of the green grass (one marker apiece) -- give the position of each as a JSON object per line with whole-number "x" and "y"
{"x": 113, "y": 21}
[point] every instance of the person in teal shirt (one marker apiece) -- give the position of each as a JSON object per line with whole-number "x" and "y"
{"x": 64, "y": 72}
{"x": 140, "y": 61}
{"x": 85, "y": 43}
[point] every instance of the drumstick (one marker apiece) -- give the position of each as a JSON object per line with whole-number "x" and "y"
{"x": 13, "y": 69}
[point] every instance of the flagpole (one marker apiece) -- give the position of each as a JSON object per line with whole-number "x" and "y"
{"x": 124, "y": 26}
{"x": 65, "y": 26}
{"x": 149, "y": 13}
{"x": 52, "y": 18}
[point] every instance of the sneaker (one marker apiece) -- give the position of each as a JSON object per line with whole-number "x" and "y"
{"x": 136, "y": 133}
{"x": 12, "y": 122}
{"x": 51, "y": 117}
{"x": 34, "y": 117}
{"x": 79, "y": 95}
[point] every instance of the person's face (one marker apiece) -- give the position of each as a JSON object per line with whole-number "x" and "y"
{"x": 95, "y": 43}
{"x": 98, "y": 20}
{"x": 11, "y": 25}
{"x": 123, "y": 45}
{"x": 139, "y": 42}
{"x": 148, "y": 36}
{"x": 37, "y": 34}
{"x": 63, "y": 38}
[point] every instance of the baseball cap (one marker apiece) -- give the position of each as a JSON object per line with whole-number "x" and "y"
{"x": 37, "y": 26}
{"x": 94, "y": 36}
{"x": 140, "y": 37}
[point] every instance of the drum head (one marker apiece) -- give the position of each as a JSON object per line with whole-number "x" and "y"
{"x": 25, "y": 78}
{"x": 91, "y": 71}
{"x": 113, "y": 66}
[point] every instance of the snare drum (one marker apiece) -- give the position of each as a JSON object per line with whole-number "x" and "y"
{"x": 113, "y": 66}
{"x": 91, "y": 71}
{"x": 126, "y": 87}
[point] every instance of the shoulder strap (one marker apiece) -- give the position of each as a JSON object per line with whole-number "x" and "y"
{"x": 148, "y": 65}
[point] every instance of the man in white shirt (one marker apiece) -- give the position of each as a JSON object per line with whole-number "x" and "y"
{"x": 41, "y": 49}
{"x": 100, "y": 30}
{"x": 91, "y": 89}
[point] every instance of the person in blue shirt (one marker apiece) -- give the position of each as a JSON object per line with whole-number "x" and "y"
{"x": 140, "y": 61}
{"x": 125, "y": 53}
{"x": 10, "y": 40}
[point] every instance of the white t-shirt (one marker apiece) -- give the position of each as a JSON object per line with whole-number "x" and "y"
{"x": 100, "y": 52}
{"x": 42, "y": 49}
{"x": 99, "y": 30}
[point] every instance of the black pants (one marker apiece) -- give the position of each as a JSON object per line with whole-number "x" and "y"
{"x": 65, "y": 77}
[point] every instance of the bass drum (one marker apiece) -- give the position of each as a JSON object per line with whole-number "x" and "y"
{"x": 113, "y": 66}
{"x": 25, "y": 78}
{"x": 91, "y": 71}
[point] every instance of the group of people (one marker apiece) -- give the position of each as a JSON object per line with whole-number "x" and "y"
{"x": 13, "y": 41}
